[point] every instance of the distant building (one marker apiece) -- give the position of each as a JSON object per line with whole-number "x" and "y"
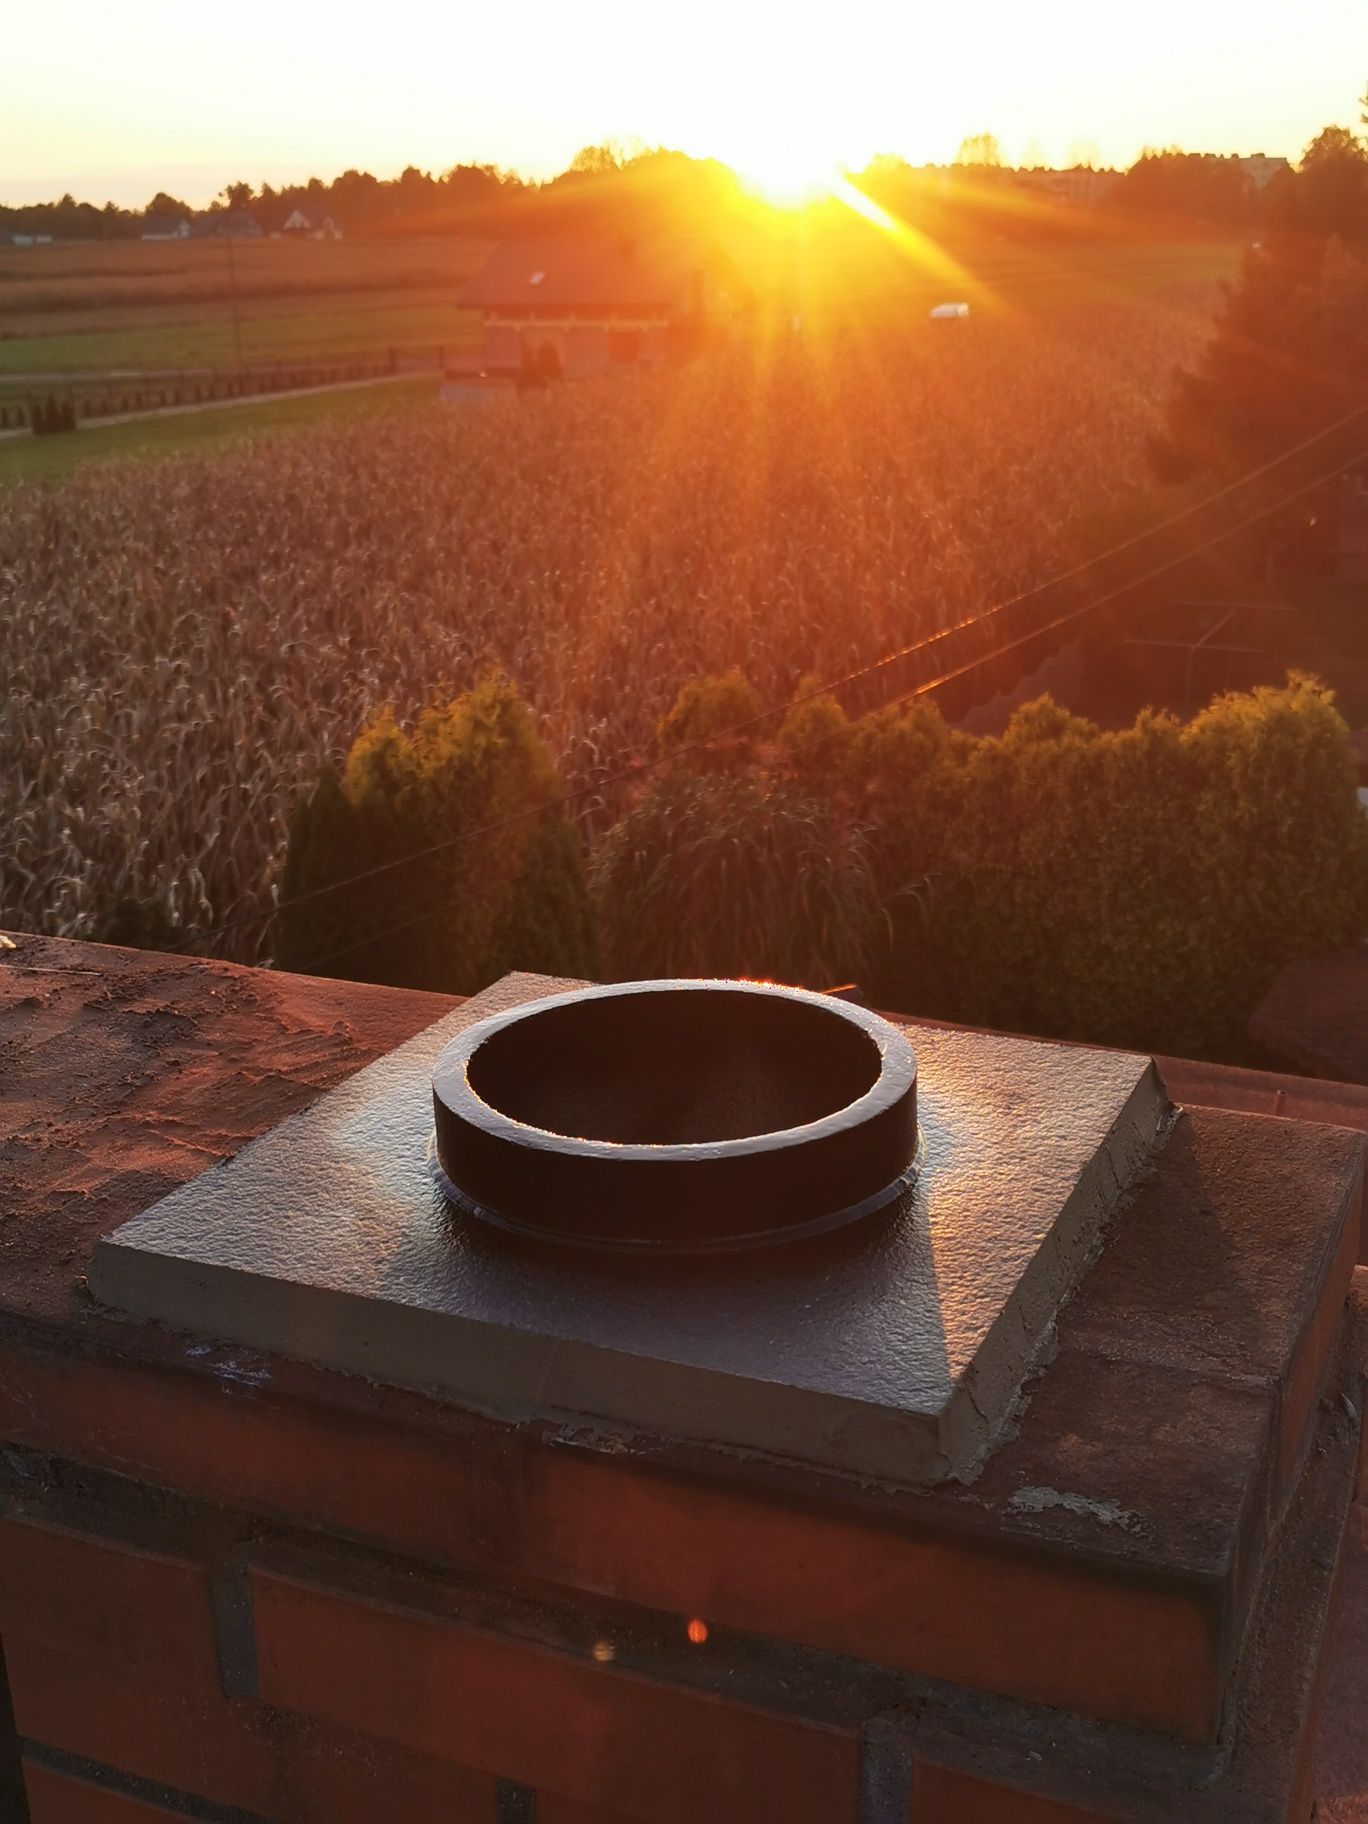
{"x": 225, "y": 225}
{"x": 581, "y": 307}
{"x": 9, "y": 239}
{"x": 165, "y": 228}
{"x": 311, "y": 225}
{"x": 1260, "y": 169}
{"x": 1081, "y": 187}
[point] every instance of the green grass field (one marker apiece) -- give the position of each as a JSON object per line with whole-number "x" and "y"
{"x": 213, "y": 428}
{"x": 329, "y": 327}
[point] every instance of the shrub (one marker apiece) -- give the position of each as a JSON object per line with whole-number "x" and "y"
{"x": 813, "y": 743}
{"x": 1278, "y": 825}
{"x": 514, "y": 897}
{"x": 52, "y": 419}
{"x": 705, "y": 710}
{"x": 137, "y": 924}
{"x": 718, "y": 874}
{"x": 889, "y": 747}
{"x": 1139, "y": 886}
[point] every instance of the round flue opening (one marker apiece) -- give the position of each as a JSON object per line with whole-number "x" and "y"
{"x": 676, "y": 1115}
{"x": 675, "y": 1067}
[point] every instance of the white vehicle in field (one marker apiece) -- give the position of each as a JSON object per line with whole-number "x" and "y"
{"x": 949, "y": 313}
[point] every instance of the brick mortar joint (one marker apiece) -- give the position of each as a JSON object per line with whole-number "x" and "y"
{"x": 227, "y": 1550}
{"x": 845, "y": 1506}
{"x": 191, "y": 1806}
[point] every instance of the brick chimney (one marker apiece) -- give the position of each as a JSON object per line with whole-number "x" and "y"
{"x": 982, "y": 1451}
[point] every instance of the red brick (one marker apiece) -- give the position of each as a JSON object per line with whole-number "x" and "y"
{"x": 599, "y": 1526}
{"x": 231, "y": 1751}
{"x": 552, "y": 1809}
{"x": 132, "y": 1611}
{"x": 943, "y": 1795}
{"x": 1260, "y": 1092}
{"x": 380, "y": 1480}
{"x": 57, "y": 1798}
{"x": 663, "y": 1754}
{"x": 215, "y": 1747}
{"x": 955, "y": 1609}
{"x": 338, "y": 1777}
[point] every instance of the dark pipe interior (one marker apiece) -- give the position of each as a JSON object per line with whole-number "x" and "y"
{"x": 670, "y": 1068}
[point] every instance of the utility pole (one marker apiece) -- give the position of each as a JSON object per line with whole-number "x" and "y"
{"x": 229, "y": 237}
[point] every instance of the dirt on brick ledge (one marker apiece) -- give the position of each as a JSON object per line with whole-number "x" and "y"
{"x": 124, "y": 1073}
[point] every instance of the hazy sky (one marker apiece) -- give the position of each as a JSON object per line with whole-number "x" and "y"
{"x": 117, "y": 100}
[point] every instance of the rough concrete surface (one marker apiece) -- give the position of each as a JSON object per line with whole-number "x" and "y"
{"x": 1225, "y": 1284}
{"x": 895, "y": 1354}
{"x": 124, "y": 1073}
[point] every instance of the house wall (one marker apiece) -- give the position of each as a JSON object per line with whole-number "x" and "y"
{"x": 501, "y": 346}
{"x": 584, "y": 346}
{"x": 587, "y": 349}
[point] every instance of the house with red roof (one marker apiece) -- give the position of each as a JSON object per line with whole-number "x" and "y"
{"x": 579, "y": 307}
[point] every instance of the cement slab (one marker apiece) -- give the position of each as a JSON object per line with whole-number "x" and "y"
{"x": 894, "y": 1354}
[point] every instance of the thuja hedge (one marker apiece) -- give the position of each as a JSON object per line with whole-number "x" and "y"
{"x": 1138, "y": 886}
{"x": 464, "y": 904}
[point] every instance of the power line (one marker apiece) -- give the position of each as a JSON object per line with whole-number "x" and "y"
{"x": 434, "y": 903}
{"x": 1066, "y": 576}
{"x": 1137, "y": 582}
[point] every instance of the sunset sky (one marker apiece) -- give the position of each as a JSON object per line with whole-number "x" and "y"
{"x": 117, "y": 101}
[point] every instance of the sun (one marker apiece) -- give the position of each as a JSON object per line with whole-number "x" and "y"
{"x": 786, "y": 171}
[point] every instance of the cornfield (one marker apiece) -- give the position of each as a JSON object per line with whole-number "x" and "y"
{"x": 184, "y": 646}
